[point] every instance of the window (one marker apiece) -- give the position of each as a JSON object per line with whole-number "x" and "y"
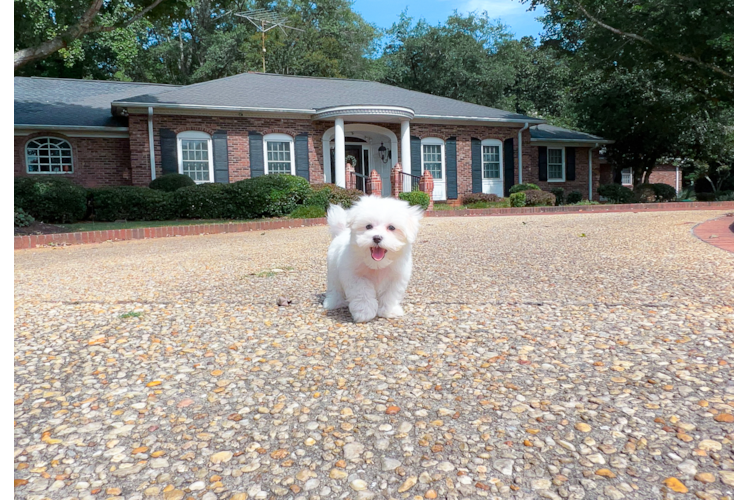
{"x": 195, "y": 156}
{"x": 279, "y": 154}
{"x": 556, "y": 164}
{"x": 627, "y": 176}
{"x": 432, "y": 155}
{"x": 491, "y": 159}
{"x": 49, "y": 155}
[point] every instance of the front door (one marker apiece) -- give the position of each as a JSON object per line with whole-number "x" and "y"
{"x": 355, "y": 154}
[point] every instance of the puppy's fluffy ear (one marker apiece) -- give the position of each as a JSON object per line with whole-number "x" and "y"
{"x": 412, "y": 222}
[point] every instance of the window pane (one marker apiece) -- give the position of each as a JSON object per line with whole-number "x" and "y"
{"x": 195, "y": 162}
{"x": 279, "y": 157}
{"x": 554, "y": 156}
{"x": 49, "y": 154}
{"x": 432, "y": 160}
{"x": 492, "y": 162}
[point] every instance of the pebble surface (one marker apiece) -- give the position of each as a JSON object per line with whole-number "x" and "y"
{"x": 562, "y": 356}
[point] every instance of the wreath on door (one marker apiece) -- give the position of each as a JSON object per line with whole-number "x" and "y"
{"x": 352, "y": 160}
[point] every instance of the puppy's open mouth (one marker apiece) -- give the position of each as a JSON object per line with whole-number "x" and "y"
{"x": 377, "y": 253}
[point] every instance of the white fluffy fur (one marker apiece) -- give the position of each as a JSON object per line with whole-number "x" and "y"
{"x": 369, "y": 287}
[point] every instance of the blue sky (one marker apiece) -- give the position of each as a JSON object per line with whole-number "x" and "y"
{"x": 512, "y": 13}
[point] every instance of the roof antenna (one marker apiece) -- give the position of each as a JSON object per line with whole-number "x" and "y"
{"x": 266, "y": 20}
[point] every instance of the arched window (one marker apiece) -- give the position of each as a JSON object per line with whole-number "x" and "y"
{"x": 49, "y": 155}
{"x": 195, "y": 155}
{"x": 279, "y": 154}
{"x": 491, "y": 158}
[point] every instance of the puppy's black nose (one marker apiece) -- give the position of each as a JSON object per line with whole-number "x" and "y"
{"x": 377, "y": 239}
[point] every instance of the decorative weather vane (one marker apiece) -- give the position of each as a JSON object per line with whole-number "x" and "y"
{"x": 266, "y": 20}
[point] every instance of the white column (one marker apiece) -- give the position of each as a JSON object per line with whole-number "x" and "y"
{"x": 340, "y": 152}
{"x": 405, "y": 146}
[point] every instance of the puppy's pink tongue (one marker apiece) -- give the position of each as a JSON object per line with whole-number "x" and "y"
{"x": 377, "y": 253}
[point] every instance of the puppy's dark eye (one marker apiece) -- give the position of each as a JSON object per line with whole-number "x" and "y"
{"x": 369, "y": 226}
{"x": 391, "y": 227}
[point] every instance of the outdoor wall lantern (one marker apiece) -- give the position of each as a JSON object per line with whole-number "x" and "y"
{"x": 384, "y": 153}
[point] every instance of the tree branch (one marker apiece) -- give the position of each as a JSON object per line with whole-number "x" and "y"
{"x": 634, "y": 36}
{"x": 79, "y": 29}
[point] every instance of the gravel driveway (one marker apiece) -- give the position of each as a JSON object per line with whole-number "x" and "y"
{"x": 560, "y": 356}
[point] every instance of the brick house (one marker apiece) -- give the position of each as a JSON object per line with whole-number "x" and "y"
{"x": 118, "y": 133}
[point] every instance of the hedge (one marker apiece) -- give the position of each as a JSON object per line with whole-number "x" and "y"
{"x": 171, "y": 182}
{"x": 472, "y": 198}
{"x": 324, "y": 195}
{"x": 525, "y": 186}
{"x": 616, "y": 193}
{"x": 416, "y": 198}
{"x": 574, "y": 197}
{"x": 517, "y": 199}
{"x": 535, "y": 198}
{"x": 50, "y": 199}
{"x": 131, "y": 203}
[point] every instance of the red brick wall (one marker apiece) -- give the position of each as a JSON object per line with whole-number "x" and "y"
{"x": 664, "y": 174}
{"x": 531, "y": 173}
{"x": 97, "y": 161}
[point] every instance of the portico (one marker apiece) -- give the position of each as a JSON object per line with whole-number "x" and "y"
{"x": 365, "y": 127}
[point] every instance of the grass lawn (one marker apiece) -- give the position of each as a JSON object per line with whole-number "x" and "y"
{"x": 504, "y": 203}
{"x": 104, "y": 226}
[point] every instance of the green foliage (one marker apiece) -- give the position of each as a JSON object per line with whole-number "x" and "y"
{"x": 503, "y": 203}
{"x": 518, "y": 199}
{"x": 472, "y": 198}
{"x": 615, "y": 193}
{"x": 585, "y": 202}
{"x": 21, "y": 218}
{"x": 574, "y": 197}
{"x": 663, "y": 192}
{"x": 535, "y": 198}
{"x": 131, "y": 203}
{"x": 324, "y": 195}
{"x": 558, "y": 192}
{"x": 644, "y": 193}
{"x": 171, "y": 182}
{"x": 49, "y": 199}
{"x": 271, "y": 195}
{"x": 525, "y": 186}
{"x": 725, "y": 196}
{"x": 308, "y": 212}
{"x": 416, "y": 198}
{"x": 204, "y": 201}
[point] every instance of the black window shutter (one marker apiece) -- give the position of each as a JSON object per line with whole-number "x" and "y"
{"x": 220, "y": 157}
{"x": 301, "y": 153}
{"x": 169, "y": 161}
{"x": 571, "y": 166}
{"x": 256, "y": 160}
{"x": 451, "y": 157}
{"x": 476, "y": 150}
{"x": 415, "y": 155}
{"x": 542, "y": 163}
{"x": 508, "y": 165}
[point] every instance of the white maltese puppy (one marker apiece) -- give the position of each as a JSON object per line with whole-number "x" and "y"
{"x": 369, "y": 262}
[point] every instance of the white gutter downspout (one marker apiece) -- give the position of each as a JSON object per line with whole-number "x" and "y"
{"x": 677, "y": 180}
{"x": 519, "y": 149}
{"x": 589, "y": 174}
{"x": 150, "y": 143}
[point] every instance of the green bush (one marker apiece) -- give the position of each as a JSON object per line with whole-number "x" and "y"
{"x": 473, "y": 198}
{"x": 49, "y": 199}
{"x": 616, "y": 193}
{"x": 539, "y": 198}
{"x": 558, "y": 192}
{"x": 171, "y": 182}
{"x": 574, "y": 197}
{"x": 525, "y": 186}
{"x": 270, "y": 195}
{"x": 131, "y": 203}
{"x": 324, "y": 195}
{"x": 21, "y": 218}
{"x": 663, "y": 192}
{"x": 706, "y": 196}
{"x": 416, "y": 198}
{"x": 644, "y": 193}
{"x": 687, "y": 194}
{"x": 587, "y": 202}
{"x": 517, "y": 199}
{"x": 308, "y": 212}
{"x": 725, "y": 196}
{"x": 204, "y": 201}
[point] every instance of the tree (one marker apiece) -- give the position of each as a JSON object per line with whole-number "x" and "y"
{"x": 44, "y": 27}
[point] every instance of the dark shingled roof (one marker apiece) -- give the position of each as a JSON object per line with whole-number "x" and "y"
{"x": 547, "y": 132}
{"x": 61, "y": 101}
{"x": 312, "y": 94}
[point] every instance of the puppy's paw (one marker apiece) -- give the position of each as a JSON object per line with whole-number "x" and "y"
{"x": 362, "y": 311}
{"x": 333, "y": 301}
{"x": 391, "y": 312}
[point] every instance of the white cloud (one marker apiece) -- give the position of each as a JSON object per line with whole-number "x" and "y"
{"x": 495, "y": 8}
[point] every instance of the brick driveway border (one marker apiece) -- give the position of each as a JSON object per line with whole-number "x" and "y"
{"x": 718, "y": 232}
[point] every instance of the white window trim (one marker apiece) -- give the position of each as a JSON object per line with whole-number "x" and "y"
{"x": 630, "y": 172}
{"x": 492, "y": 142}
{"x": 61, "y": 172}
{"x": 278, "y": 138}
{"x": 434, "y": 141}
{"x": 195, "y": 135}
{"x": 563, "y": 165}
